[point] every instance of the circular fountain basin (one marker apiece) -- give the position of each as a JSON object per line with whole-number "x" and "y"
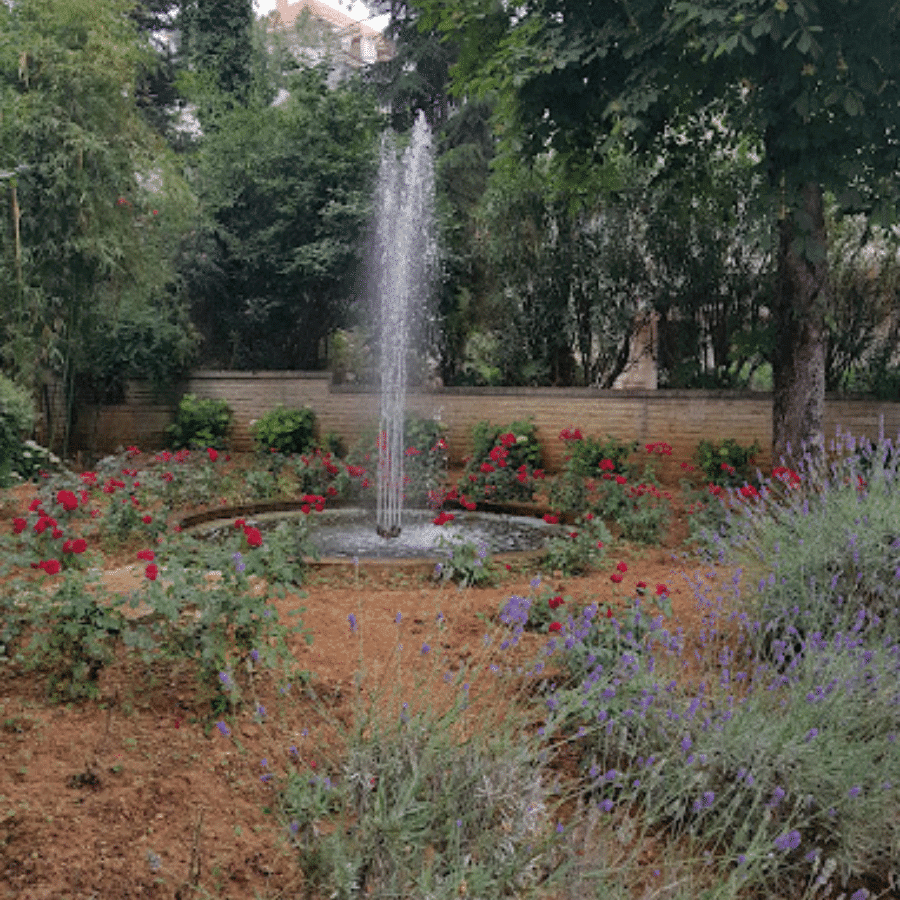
{"x": 346, "y": 535}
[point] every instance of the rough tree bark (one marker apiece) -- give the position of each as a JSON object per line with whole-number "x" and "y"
{"x": 798, "y": 361}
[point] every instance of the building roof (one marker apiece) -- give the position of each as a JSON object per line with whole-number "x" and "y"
{"x": 288, "y": 12}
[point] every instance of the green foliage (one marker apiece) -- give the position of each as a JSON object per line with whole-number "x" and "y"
{"x": 569, "y": 492}
{"x": 582, "y": 549}
{"x": 728, "y": 463}
{"x": 72, "y": 129}
{"x": 641, "y": 511}
{"x": 74, "y": 636}
{"x": 503, "y": 462}
{"x": 826, "y": 546}
{"x": 466, "y": 563}
{"x": 606, "y": 636}
{"x": 200, "y": 423}
{"x": 425, "y": 462}
{"x": 863, "y": 319}
{"x": 217, "y": 41}
{"x": 320, "y": 473}
{"x": 144, "y": 342}
{"x": 587, "y": 453}
{"x": 482, "y": 815}
{"x": 220, "y": 626}
{"x": 271, "y": 272}
{"x": 819, "y": 102}
{"x": 17, "y": 416}
{"x": 285, "y": 430}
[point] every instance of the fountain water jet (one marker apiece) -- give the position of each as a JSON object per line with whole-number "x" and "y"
{"x": 405, "y": 253}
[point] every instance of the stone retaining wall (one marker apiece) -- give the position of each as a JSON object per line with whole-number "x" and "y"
{"x": 682, "y": 418}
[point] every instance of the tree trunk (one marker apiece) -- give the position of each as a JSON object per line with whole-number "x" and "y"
{"x": 798, "y": 361}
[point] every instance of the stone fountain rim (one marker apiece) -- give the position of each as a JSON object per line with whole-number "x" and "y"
{"x": 403, "y": 564}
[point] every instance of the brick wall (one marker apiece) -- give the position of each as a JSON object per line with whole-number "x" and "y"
{"x": 682, "y": 418}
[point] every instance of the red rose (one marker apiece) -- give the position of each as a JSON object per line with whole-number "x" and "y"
{"x": 551, "y": 519}
{"x": 146, "y": 519}
{"x": 622, "y": 567}
{"x": 50, "y": 566}
{"x": 555, "y": 626}
{"x": 213, "y": 454}
{"x": 253, "y": 535}
{"x": 151, "y": 572}
{"x": 79, "y": 545}
{"x": 148, "y": 555}
{"x": 67, "y": 500}
{"x": 19, "y": 525}
{"x": 615, "y": 578}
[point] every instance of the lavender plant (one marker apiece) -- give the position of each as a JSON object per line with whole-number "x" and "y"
{"x": 824, "y": 544}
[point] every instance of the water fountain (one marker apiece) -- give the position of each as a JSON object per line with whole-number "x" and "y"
{"x": 405, "y": 254}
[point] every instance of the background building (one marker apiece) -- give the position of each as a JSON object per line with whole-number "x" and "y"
{"x": 315, "y": 32}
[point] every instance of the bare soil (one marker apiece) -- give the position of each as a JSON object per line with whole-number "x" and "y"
{"x": 138, "y": 794}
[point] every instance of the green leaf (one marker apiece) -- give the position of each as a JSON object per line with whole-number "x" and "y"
{"x": 852, "y": 106}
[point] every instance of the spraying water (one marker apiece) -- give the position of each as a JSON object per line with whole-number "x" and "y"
{"x": 405, "y": 248}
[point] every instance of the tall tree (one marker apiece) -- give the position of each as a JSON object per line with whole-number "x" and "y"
{"x": 70, "y": 123}
{"x": 217, "y": 41}
{"x": 819, "y": 81}
{"x": 418, "y": 75}
{"x": 287, "y": 195}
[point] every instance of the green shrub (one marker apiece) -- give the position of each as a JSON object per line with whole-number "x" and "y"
{"x": 570, "y": 491}
{"x": 586, "y": 454}
{"x": 157, "y": 343}
{"x": 504, "y": 462}
{"x": 201, "y": 423}
{"x": 285, "y": 430}
{"x": 425, "y": 462}
{"x": 727, "y": 464}
{"x": 582, "y": 549}
{"x": 17, "y": 416}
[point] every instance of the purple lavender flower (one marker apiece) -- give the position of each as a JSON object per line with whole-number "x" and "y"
{"x": 788, "y": 841}
{"x": 352, "y": 620}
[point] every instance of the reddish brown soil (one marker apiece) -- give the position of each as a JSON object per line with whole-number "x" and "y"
{"x": 138, "y": 795}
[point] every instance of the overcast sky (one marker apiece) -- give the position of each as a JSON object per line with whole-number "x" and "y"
{"x": 358, "y": 10}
